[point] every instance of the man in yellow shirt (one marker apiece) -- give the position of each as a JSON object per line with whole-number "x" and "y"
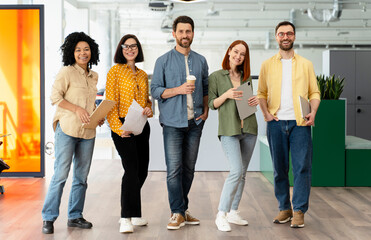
{"x": 283, "y": 78}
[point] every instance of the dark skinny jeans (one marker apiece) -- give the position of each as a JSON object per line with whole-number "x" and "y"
{"x": 134, "y": 153}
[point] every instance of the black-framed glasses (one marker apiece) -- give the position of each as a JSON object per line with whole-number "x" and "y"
{"x": 132, "y": 46}
{"x": 288, "y": 34}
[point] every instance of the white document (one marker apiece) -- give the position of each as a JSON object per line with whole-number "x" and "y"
{"x": 134, "y": 120}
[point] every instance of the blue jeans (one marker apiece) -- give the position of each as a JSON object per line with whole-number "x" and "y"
{"x": 285, "y": 136}
{"x": 181, "y": 149}
{"x": 238, "y": 150}
{"x": 67, "y": 150}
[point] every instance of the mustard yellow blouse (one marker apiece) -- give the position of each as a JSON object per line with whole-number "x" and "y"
{"x": 123, "y": 85}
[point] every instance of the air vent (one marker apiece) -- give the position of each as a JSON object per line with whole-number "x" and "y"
{"x": 159, "y": 5}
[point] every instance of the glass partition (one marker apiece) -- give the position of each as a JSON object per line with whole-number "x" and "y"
{"x": 22, "y": 89}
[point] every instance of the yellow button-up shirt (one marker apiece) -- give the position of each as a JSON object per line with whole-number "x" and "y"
{"x": 123, "y": 86}
{"x": 304, "y": 83}
{"x": 75, "y": 87}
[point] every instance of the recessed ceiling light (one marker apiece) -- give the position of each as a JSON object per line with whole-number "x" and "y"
{"x": 187, "y": 1}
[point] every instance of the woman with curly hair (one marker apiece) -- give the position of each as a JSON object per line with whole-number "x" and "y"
{"x": 125, "y": 83}
{"x": 74, "y": 92}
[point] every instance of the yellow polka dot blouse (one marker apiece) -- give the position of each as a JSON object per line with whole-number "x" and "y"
{"x": 123, "y": 85}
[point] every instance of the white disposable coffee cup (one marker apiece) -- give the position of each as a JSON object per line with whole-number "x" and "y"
{"x": 191, "y": 79}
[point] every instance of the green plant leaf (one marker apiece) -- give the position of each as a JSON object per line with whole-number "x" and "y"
{"x": 330, "y": 87}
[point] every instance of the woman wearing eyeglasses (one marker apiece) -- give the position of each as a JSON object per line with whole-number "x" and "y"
{"x": 125, "y": 83}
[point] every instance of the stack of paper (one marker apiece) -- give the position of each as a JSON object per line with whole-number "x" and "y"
{"x": 134, "y": 120}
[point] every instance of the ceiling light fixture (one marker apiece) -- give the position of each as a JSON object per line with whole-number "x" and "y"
{"x": 160, "y": 5}
{"x": 212, "y": 12}
{"x": 187, "y": 1}
{"x": 342, "y": 33}
{"x": 363, "y": 5}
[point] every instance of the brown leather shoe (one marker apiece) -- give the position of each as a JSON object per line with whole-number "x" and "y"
{"x": 189, "y": 219}
{"x": 297, "y": 220}
{"x": 176, "y": 221}
{"x": 283, "y": 216}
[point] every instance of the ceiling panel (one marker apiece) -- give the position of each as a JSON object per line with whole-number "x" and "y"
{"x": 220, "y": 21}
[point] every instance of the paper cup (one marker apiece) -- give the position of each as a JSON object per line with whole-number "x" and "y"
{"x": 191, "y": 79}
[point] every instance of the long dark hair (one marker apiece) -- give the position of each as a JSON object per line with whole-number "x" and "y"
{"x": 119, "y": 56}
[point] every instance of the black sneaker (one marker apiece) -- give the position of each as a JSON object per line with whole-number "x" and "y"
{"x": 80, "y": 223}
{"x": 48, "y": 227}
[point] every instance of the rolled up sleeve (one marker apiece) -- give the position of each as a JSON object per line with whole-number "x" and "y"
{"x": 212, "y": 91}
{"x": 158, "y": 81}
{"x": 205, "y": 78}
{"x": 59, "y": 88}
{"x": 313, "y": 91}
{"x": 262, "y": 91}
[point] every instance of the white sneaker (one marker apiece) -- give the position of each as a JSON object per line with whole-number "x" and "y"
{"x": 137, "y": 221}
{"x": 235, "y": 218}
{"x": 126, "y": 226}
{"x": 222, "y": 223}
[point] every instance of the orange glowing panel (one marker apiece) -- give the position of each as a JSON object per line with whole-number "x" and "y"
{"x": 21, "y": 84}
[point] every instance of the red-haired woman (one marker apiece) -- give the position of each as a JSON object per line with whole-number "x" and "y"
{"x": 238, "y": 136}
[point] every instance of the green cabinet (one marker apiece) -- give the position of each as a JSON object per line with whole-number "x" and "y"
{"x": 358, "y": 162}
{"x": 328, "y": 134}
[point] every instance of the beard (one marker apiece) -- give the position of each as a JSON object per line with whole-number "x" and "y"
{"x": 184, "y": 45}
{"x": 286, "y": 48}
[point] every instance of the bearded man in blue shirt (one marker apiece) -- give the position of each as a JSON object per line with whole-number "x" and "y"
{"x": 183, "y": 111}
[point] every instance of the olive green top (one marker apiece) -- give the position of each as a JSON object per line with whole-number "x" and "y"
{"x": 229, "y": 120}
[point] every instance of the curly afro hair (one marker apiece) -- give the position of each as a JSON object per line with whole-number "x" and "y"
{"x": 68, "y": 48}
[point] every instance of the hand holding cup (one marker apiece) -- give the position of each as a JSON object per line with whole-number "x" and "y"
{"x": 191, "y": 80}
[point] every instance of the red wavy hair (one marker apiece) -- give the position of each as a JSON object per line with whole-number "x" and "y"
{"x": 245, "y": 66}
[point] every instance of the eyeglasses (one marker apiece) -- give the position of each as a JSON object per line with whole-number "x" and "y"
{"x": 288, "y": 34}
{"x": 132, "y": 46}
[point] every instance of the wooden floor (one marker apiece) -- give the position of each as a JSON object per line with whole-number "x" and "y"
{"x": 334, "y": 213}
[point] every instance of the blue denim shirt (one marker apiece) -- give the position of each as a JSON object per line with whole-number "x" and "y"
{"x": 170, "y": 72}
